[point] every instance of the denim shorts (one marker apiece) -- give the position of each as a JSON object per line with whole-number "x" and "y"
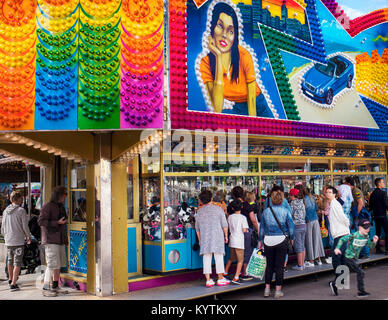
{"x": 300, "y": 237}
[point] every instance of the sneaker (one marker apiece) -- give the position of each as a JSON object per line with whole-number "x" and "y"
{"x": 362, "y": 294}
{"x": 210, "y": 283}
{"x": 308, "y": 264}
{"x": 298, "y": 268}
{"x": 333, "y": 288}
{"x": 14, "y": 287}
{"x": 278, "y": 294}
{"x": 319, "y": 262}
{"x": 223, "y": 282}
{"x": 267, "y": 292}
{"x": 236, "y": 281}
{"x": 328, "y": 260}
{"x": 60, "y": 290}
{"x": 246, "y": 278}
{"x": 49, "y": 293}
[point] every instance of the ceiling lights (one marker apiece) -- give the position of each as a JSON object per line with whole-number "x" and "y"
{"x": 43, "y": 147}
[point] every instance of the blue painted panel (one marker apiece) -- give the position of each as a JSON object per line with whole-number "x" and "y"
{"x": 152, "y": 257}
{"x": 195, "y": 259}
{"x": 78, "y": 251}
{"x": 132, "y": 250}
{"x": 182, "y": 261}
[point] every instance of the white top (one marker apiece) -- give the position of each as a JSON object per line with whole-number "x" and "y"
{"x": 345, "y": 192}
{"x": 237, "y": 222}
{"x": 339, "y": 223}
{"x": 271, "y": 241}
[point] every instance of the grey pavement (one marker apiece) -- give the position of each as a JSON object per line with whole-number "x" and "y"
{"x": 376, "y": 283}
{"x": 302, "y": 288}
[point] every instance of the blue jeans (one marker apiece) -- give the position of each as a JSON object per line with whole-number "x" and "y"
{"x": 331, "y": 240}
{"x": 338, "y": 259}
{"x": 262, "y": 109}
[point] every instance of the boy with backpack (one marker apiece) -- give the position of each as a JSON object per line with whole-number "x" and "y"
{"x": 238, "y": 225}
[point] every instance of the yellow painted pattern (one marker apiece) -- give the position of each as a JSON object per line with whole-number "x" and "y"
{"x": 372, "y": 76}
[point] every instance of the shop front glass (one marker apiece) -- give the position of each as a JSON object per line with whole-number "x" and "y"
{"x": 181, "y": 198}
{"x": 359, "y": 166}
{"x": 278, "y": 165}
{"x": 150, "y": 214}
{"x": 225, "y": 164}
{"x": 78, "y": 193}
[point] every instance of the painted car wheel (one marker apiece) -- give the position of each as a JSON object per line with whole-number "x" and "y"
{"x": 349, "y": 82}
{"x": 329, "y": 97}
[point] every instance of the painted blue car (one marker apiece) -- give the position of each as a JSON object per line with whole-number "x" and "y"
{"x": 322, "y": 82}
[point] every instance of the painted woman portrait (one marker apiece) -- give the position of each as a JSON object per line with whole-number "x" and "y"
{"x": 227, "y": 72}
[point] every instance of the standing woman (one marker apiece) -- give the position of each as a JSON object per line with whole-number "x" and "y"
{"x": 228, "y": 72}
{"x": 276, "y": 223}
{"x": 299, "y": 218}
{"x": 212, "y": 232}
{"x": 314, "y": 245}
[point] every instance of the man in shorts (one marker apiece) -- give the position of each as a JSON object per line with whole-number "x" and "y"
{"x": 15, "y": 229}
{"x": 52, "y": 220}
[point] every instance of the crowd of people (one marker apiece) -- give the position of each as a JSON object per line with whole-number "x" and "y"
{"x": 49, "y": 228}
{"x": 283, "y": 224}
{"x": 289, "y": 224}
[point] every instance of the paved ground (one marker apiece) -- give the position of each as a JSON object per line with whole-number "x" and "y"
{"x": 306, "y": 288}
{"x": 376, "y": 280}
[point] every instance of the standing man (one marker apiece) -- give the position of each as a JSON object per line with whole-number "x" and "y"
{"x": 15, "y": 229}
{"x": 339, "y": 227}
{"x": 52, "y": 220}
{"x": 378, "y": 203}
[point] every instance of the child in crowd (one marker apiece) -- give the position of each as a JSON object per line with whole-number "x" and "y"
{"x": 238, "y": 225}
{"x": 299, "y": 219}
{"x": 250, "y": 198}
{"x": 356, "y": 242}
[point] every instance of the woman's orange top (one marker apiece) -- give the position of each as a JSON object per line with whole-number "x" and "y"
{"x": 236, "y": 92}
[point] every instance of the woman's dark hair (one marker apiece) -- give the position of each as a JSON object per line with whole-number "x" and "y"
{"x": 57, "y": 194}
{"x": 227, "y": 9}
{"x": 155, "y": 199}
{"x": 236, "y": 205}
{"x": 205, "y": 196}
{"x": 349, "y": 180}
{"x": 237, "y": 192}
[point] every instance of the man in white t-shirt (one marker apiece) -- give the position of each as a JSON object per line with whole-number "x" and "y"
{"x": 238, "y": 224}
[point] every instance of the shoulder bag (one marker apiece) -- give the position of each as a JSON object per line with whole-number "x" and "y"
{"x": 290, "y": 247}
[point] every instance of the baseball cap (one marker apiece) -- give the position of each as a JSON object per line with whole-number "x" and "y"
{"x": 364, "y": 223}
{"x": 294, "y": 192}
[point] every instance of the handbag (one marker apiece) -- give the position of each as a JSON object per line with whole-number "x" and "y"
{"x": 324, "y": 231}
{"x": 290, "y": 247}
{"x": 256, "y": 265}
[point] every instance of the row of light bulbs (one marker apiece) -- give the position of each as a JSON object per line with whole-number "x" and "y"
{"x": 26, "y": 161}
{"x": 43, "y": 147}
{"x": 142, "y": 146}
